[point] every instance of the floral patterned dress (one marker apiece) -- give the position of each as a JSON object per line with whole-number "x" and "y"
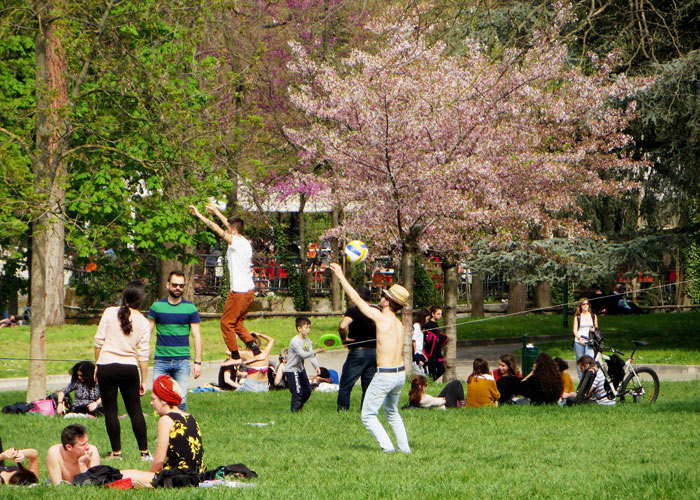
{"x": 185, "y": 444}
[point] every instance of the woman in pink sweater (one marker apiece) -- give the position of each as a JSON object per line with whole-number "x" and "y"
{"x": 121, "y": 350}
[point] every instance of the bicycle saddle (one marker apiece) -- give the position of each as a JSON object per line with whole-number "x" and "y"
{"x": 640, "y": 343}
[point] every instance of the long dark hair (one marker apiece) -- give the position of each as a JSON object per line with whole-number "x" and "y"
{"x": 87, "y": 368}
{"x": 510, "y": 362}
{"x": 421, "y": 317}
{"x": 132, "y": 297}
{"x": 23, "y": 476}
{"x": 481, "y": 367}
{"x": 547, "y": 372}
{"x": 418, "y": 383}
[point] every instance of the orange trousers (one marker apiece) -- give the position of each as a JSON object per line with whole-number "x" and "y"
{"x": 235, "y": 311}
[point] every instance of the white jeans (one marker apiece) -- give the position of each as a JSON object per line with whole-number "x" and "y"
{"x": 385, "y": 389}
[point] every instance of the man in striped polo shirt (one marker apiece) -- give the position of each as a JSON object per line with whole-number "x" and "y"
{"x": 175, "y": 319}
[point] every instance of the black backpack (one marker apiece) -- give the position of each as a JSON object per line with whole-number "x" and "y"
{"x": 97, "y": 475}
{"x": 616, "y": 370}
{"x": 176, "y": 478}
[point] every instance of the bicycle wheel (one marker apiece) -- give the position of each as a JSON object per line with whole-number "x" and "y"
{"x": 642, "y": 388}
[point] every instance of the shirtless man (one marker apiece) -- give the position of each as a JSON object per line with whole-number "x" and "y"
{"x": 73, "y": 456}
{"x": 386, "y": 385}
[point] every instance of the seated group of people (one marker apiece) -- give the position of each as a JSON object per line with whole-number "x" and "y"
{"x": 178, "y": 446}
{"x": 547, "y": 383}
{"x": 257, "y": 373}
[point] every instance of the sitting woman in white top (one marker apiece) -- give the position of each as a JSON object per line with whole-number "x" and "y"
{"x": 420, "y": 319}
{"x": 451, "y": 396}
{"x": 591, "y": 389}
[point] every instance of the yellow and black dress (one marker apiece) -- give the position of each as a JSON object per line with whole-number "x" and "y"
{"x": 185, "y": 444}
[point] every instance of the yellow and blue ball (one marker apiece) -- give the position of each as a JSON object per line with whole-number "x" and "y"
{"x": 356, "y": 251}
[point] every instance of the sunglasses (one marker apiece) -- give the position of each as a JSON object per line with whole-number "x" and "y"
{"x": 177, "y": 285}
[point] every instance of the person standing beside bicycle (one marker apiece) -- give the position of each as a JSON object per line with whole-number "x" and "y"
{"x": 584, "y": 322}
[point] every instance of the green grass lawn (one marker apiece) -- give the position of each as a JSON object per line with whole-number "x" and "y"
{"x": 76, "y": 342}
{"x": 672, "y": 336}
{"x": 628, "y": 451}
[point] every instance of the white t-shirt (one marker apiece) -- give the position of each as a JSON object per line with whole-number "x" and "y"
{"x": 240, "y": 264}
{"x": 418, "y": 337}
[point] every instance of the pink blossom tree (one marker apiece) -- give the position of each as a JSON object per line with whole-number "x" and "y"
{"x": 435, "y": 151}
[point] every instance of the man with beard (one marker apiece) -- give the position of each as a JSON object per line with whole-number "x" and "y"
{"x": 175, "y": 319}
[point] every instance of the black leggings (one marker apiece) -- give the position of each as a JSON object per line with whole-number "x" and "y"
{"x": 453, "y": 393}
{"x": 124, "y": 378}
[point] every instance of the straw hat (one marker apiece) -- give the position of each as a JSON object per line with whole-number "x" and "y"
{"x": 397, "y": 294}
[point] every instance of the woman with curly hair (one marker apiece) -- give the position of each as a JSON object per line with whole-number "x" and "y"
{"x": 543, "y": 385}
{"x": 87, "y": 392}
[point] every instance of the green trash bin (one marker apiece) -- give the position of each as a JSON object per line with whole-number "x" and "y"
{"x": 530, "y": 353}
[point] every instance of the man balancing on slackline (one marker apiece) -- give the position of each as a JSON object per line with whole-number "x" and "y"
{"x": 239, "y": 256}
{"x": 386, "y": 385}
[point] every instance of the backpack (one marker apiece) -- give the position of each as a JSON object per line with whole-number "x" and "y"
{"x": 97, "y": 475}
{"x": 616, "y": 369}
{"x": 176, "y": 478}
{"x": 240, "y": 470}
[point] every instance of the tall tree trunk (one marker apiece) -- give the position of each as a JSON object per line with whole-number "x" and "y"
{"x": 543, "y": 295}
{"x": 49, "y": 180}
{"x": 303, "y": 252}
{"x": 477, "y": 295}
{"x": 449, "y": 315}
{"x": 408, "y": 264}
{"x": 335, "y": 257}
{"x": 517, "y": 297}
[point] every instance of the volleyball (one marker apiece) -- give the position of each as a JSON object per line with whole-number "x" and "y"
{"x": 355, "y": 251}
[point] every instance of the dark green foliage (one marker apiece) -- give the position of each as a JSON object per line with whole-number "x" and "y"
{"x": 425, "y": 293}
{"x": 11, "y": 284}
{"x": 103, "y": 286}
{"x": 288, "y": 261}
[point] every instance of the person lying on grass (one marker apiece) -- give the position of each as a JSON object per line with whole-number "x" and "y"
{"x": 18, "y": 474}
{"x": 452, "y": 396}
{"x": 179, "y": 442}
{"x": 72, "y": 456}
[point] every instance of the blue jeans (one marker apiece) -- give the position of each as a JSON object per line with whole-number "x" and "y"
{"x": 250, "y": 385}
{"x": 359, "y": 363}
{"x": 580, "y": 351}
{"x": 385, "y": 389}
{"x": 178, "y": 369}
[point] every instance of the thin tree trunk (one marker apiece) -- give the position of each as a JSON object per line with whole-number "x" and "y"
{"x": 517, "y": 297}
{"x": 335, "y": 257}
{"x": 449, "y": 315}
{"x": 543, "y": 295}
{"x": 477, "y": 295}
{"x": 49, "y": 179}
{"x": 303, "y": 251}
{"x": 408, "y": 263}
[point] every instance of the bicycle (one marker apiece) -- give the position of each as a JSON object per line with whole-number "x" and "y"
{"x": 639, "y": 385}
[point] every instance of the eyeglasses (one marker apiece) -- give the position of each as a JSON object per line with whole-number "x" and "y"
{"x": 177, "y": 285}
{"x": 584, "y": 303}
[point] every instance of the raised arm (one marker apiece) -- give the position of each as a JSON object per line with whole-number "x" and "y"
{"x": 214, "y": 210}
{"x": 364, "y": 307}
{"x": 211, "y": 225}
